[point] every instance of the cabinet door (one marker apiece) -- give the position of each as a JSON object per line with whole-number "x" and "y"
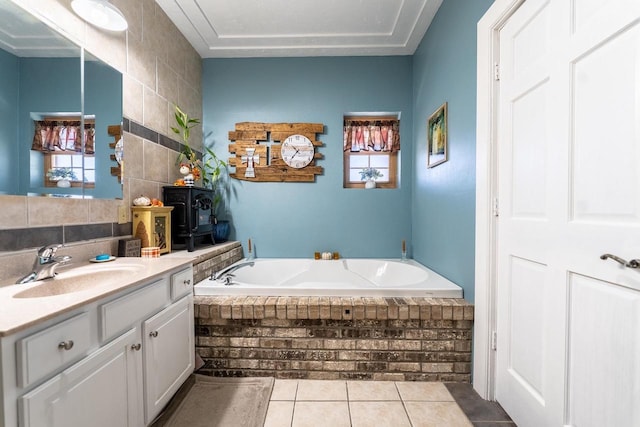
{"x": 168, "y": 354}
{"x": 102, "y": 390}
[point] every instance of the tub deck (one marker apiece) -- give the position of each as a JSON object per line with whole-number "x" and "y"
{"x": 361, "y": 277}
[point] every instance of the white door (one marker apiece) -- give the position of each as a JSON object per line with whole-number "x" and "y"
{"x": 568, "y": 327}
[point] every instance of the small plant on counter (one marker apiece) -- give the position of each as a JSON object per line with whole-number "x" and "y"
{"x": 186, "y": 157}
{"x": 367, "y": 174}
{"x": 58, "y": 174}
{"x": 213, "y": 169}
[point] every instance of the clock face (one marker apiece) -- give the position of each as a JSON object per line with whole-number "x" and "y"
{"x": 297, "y": 151}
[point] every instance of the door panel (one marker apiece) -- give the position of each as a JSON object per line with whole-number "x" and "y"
{"x": 528, "y": 172}
{"x": 606, "y": 149}
{"x": 527, "y": 320}
{"x": 604, "y": 367}
{"x": 525, "y": 151}
{"x": 568, "y": 323}
{"x": 531, "y": 43}
{"x": 602, "y": 17}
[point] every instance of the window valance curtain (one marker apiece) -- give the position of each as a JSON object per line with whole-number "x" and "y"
{"x": 62, "y": 135}
{"x": 371, "y": 135}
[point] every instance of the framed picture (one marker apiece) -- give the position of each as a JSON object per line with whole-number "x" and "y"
{"x": 437, "y": 137}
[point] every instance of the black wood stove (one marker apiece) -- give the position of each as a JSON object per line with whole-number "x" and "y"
{"x": 192, "y": 217}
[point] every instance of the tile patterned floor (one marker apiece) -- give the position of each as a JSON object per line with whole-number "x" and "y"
{"x": 313, "y": 403}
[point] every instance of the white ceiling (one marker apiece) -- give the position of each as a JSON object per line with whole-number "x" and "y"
{"x": 276, "y": 28}
{"x": 25, "y": 36}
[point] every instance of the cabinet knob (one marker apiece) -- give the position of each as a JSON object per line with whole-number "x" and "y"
{"x": 187, "y": 282}
{"x": 153, "y": 334}
{"x": 65, "y": 345}
{"x": 136, "y": 347}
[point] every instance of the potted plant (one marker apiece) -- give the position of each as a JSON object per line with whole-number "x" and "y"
{"x": 213, "y": 170}
{"x": 63, "y": 176}
{"x": 215, "y": 177}
{"x": 187, "y": 160}
{"x": 369, "y": 176}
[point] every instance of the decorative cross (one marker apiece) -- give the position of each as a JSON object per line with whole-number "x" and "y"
{"x": 250, "y": 158}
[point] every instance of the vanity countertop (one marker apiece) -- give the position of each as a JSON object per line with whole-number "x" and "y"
{"x": 19, "y": 313}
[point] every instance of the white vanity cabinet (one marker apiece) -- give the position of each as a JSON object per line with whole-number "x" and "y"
{"x": 113, "y": 362}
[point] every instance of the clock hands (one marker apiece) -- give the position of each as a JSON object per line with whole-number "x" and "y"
{"x": 297, "y": 151}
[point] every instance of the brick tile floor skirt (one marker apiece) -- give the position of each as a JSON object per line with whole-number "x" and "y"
{"x": 399, "y": 339}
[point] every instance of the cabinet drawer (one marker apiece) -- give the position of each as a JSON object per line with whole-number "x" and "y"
{"x": 42, "y": 353}
{"x": 119, "y": 314}
{"x": 181, "y": 283}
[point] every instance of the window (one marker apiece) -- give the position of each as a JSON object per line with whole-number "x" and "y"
{"x": 371, "y": 141}
{"x": 59, "y": 140}
{"x": 72, "y": 161}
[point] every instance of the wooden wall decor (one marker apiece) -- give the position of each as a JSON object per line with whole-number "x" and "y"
{"x": 258, "y": 145}
{"x": 116, "y": 132}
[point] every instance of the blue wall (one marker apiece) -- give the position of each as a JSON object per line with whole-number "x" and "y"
{"x": 444, "y": 70}
{"x": 297, "y": 219}
{"x": 9, "y": 83}
{"x": 434, "y": 210}
{"x": 48, "y": 85}
{"x": 103, "y": 99}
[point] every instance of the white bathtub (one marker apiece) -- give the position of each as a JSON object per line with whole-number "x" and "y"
{"x": 345, "y": 277}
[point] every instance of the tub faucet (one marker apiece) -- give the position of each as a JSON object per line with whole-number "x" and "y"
{"x": 44, "y": 267}
{"x": 227, "y": 271}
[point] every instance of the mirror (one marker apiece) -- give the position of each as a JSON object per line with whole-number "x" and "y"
{"x": 45, "y": 136}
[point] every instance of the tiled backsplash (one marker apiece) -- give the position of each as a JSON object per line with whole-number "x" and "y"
{"x": 16, "y": 264}
{"x": 26, "y": 238}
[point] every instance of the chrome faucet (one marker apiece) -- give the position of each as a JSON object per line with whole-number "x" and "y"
{"x": 227, "y": 271}
{"x": 44, "y": 267}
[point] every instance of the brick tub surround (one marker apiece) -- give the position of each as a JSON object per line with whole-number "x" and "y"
{"x": 399, "y": 339}
{"x": 209, "y": 258}
{"x": 215, "y": 258}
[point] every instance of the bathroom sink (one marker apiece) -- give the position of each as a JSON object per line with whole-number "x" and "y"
{"x": 80, "y": 279}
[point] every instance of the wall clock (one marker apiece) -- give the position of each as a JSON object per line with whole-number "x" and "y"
{"x": 297, "y": 151}
{"x": 275, "y": 152}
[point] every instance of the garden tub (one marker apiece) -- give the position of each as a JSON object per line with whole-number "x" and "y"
{"x": 355, "y": 277}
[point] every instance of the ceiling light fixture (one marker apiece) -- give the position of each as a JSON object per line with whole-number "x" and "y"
{"x": 100, "y": 13}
